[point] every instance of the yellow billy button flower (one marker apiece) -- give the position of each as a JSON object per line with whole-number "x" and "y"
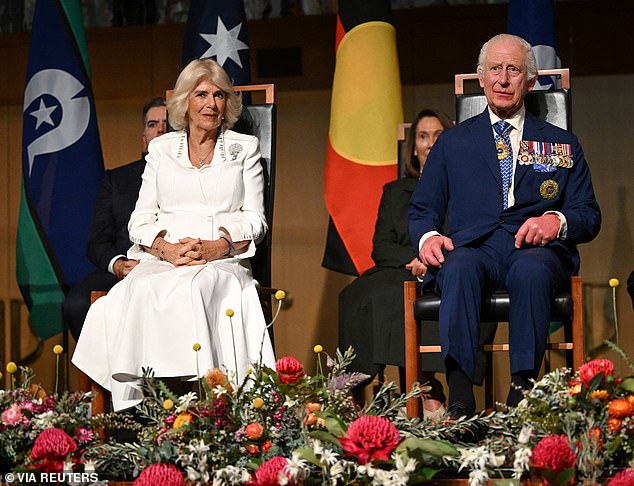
{"x": 168, "y": 404}
{"x": 613, "y": 282}
{"x": 57, "y": 349}
{"x": 249, "y": 371}
{"x": 229, "y": 312}
{"x": 258, "y": 403}
{"x": 280, "y": 295}
{"x": 11, "y": 367}
{"x": 318, "y": 348}
{"x": 196, "y": 347}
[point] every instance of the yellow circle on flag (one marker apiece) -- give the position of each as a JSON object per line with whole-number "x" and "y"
{"x": 367, "y": 105}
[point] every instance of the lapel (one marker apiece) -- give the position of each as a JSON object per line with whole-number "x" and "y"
{"x": 532, "y": 131}
{"x": 482, "y": 134}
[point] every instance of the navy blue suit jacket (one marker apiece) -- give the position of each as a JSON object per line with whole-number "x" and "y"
{"x": 462, "y": 183}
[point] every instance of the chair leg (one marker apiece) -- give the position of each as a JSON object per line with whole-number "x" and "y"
{"x": 489, "y": 389}
{"x": 578, "y": 338}
{"x": 412, "y": 338}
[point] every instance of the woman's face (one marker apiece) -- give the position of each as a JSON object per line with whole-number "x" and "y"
{"x": 427, "y": 131}
{"x": 206, "y": 106}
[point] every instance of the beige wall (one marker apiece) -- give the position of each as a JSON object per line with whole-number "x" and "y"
{"x": 602, "y": 107}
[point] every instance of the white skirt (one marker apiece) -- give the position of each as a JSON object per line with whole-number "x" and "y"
{"x": 153, "y": 317}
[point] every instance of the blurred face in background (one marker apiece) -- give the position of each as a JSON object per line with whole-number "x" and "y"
{"x": 155, "y": 124}
{"x": 427, "y": 131}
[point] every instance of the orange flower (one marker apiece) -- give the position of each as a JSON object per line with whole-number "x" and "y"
{"x": 614, "y": 424}
{"x": 183, "y": 419}
{"x": 254, "y": 431}
{"x": 253, "y": 449}
{"x": 630, "y": 398}
{"x": 574, "y": 388}
{"x": 310, "y": 419}
{"x": 216, "y": 377}
{"x": 620, "y": 408}
{"x": 313, "y": 407}
{"x": 602, "y": 395}
{"x": 266, "y": 446}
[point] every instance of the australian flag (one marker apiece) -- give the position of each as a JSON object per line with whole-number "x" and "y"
{"x": 62, "y": 164}
{"x": 534, "y": 20}
{"x": 218, "y": 30}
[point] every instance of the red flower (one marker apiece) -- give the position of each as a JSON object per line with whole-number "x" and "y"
{"x": 554, "y": 454}
{"x": 268, "y": 474}
{"x": 370, "y": 437}
{"x": 289, "y": 369}
{"x": 624, "y": 478}
{"x": 161, "y": 474}
{"x": 253, "y": 449}
{"x": 52, "y": 443}
{"x": 82, "y": 434}
{"x": 254, "y": 431}
{"x": 589, "y": 370}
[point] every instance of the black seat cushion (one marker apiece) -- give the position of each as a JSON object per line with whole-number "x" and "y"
{"x": 495, "y": 307}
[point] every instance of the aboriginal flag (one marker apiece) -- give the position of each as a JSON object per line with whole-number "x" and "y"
{"x": 366, "y": 109}
{"x": 62, "y": 164}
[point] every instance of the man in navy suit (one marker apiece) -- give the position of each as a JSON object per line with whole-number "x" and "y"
{"x": 109, "y": 241}
{"x": 517, "y": 197}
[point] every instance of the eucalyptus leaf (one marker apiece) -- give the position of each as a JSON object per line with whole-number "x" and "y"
{"x": 324, "y": 436}
{"x": 434, "y": 447}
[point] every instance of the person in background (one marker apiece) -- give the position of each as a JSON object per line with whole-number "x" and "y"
{"x": 199, "y": 214}
{"x": 371, "y": 307}
{"x": 108, "y": 241}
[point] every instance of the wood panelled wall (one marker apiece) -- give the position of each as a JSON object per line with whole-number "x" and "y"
{"x": 130, "y": 65}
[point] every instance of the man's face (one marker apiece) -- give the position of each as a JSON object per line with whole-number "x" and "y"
{"x": 505, "y": 77}
{"x": 155, "y": 124}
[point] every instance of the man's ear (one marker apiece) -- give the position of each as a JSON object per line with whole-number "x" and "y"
{"x": 532, "y": 82}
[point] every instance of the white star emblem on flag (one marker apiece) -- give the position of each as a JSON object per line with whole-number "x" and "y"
{"x": 43, "y": 114}
{"x": 224, "y": 44}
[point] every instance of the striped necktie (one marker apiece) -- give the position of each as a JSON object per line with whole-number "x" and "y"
{"x": 505, "y": 156}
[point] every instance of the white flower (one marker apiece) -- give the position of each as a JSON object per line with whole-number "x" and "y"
{"x": 478, "y": 477}
{"x": 408, "y": 468}
{"x": 89, "y": 466}
{"x": 495, "y": 461}
{"x": 296, "y": 465}
{"x": 185, "y": 401}
{"x": 336, "y": 471}
{"x": 318, "y": 448}
{"x": 328, "y": 457}
{"x": 473, "y": 458}
{"x": 220, "y": 390}
{"x": 525, "y": 434}
{"x": 521, "y": 461}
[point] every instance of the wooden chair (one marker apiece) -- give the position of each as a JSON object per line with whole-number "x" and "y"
{"x": 554, "y": 107}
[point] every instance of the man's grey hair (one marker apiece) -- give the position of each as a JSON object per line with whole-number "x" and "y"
{"x": 531, "y": 62}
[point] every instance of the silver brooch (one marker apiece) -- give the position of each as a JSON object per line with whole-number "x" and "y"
{"x": 234, "y": 150}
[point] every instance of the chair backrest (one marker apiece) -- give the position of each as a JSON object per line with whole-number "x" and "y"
{"x": 551, "y": 105}
{"x": 402, "y": 137}
{"x": 260, "y": 120}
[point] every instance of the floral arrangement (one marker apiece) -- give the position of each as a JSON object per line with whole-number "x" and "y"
{"x": 278, "y": 426}
{"x": 40, "y": 431}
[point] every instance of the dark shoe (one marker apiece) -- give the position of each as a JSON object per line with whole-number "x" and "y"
{"x": 457, "y": 410}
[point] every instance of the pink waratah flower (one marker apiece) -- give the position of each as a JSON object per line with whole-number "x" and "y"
{"x": 13, "y": 415}
{"x": 268, "y": 474}
{"x": 51, "y": 448}
{"x": 589, "y": 370}
{"x": 554, "y": 454}
{"x": 161, "y": 474}
{"x": 370, "y": 437}
{"x": 82, "y": 434}
{"x": 624, "y": 478}
{"x": 289, "y": 369}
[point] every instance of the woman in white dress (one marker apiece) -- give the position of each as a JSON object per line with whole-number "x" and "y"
{"x": 199, "y": 214}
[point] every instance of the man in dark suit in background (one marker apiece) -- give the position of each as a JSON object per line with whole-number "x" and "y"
{"x": 109, "y": 241}
{"x": 518, "y": 198}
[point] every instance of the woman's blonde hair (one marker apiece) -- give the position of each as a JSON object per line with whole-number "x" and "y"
{"x": 195, "y": 72}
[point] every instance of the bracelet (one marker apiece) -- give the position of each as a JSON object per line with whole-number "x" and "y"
{"x": 230, "y": 248}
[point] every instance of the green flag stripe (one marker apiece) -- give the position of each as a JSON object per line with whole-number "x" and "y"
{"x": 36, "y": 276}
{"x": 73, "y": 15}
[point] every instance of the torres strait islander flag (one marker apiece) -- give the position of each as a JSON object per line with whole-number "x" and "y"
{"x": 62, "y": 164}
{"x": 534, "y": 20}
{"x": 366, "y": 109}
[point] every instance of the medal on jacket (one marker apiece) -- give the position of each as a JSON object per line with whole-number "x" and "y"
{"x": 549, "y": 189}
{"x": 502, "y": 149}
